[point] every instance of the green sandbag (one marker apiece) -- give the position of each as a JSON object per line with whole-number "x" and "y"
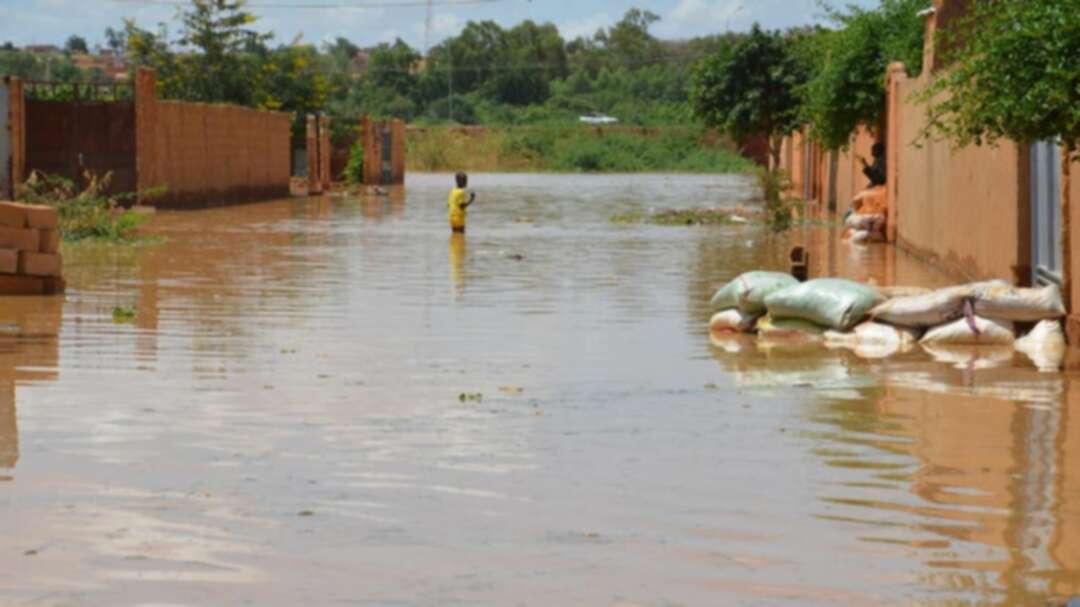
{"x": 830, "y": 302}
{"x": 748, "y": 291}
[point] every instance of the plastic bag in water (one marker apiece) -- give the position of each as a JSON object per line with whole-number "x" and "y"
{"x": 830, "y": 302}
{"x": 748, "y": 291}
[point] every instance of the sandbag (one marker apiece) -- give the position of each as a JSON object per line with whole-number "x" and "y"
{"x": 859, "y": 236}
{"x": 1005, "y": 302}
{"x": 923, "y": 310}
{"x": 788, "y": 328}
{"x": 971, "y": 331}
{"x": 873, "y": 333}
{"x": 830, "y": 302}
{"x": 858, "y": 221}
{"x": 873, "y": 340}
{"x": 1044, "y": 345}
{"x": 732, "y": 321}
{"x": 748, "y": 291}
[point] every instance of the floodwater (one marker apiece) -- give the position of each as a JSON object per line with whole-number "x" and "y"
{"x": 283, "y": 422}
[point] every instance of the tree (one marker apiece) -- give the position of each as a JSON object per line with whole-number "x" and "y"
{"x": 750, "y": 89}
{"x": 76, "y": 45}
{"x": 1012, "y": 74}
{"x": 847, "y": 88}
{"x": 216, "y": 31}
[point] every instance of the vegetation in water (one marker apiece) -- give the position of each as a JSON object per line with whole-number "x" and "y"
{"x": 575, "y": 149}
{"x": 354, "y": 169}
{"x": 88, "y": 213}
{"x": 123, "y": 314}
{"x": 681, "y": 217}
{"x": 780, "y": 209}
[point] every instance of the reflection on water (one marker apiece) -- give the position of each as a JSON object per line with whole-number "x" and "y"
{"x": 28, "y": 354}
{"x": 282, "y": 424}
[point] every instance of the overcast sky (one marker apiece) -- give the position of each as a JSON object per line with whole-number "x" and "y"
{"x": 52, "y": 21}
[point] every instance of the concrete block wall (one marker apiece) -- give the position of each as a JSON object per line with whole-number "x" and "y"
{"x": 208, "y": 154}
{"x": 30, "y": 261}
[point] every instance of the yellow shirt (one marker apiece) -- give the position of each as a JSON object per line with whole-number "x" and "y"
{"x": 456, "y": 206}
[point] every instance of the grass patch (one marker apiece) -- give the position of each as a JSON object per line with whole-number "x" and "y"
{"x": 87, "y": 214}
{"x": 572, "y": 149}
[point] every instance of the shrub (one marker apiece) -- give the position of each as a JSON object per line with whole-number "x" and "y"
{"x": 86, "y": 214}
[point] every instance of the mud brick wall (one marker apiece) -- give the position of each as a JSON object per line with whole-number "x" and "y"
{"x": 208, "y": 154}
{"x": 30, "y": 262}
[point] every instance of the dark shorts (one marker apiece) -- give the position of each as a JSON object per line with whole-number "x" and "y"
{"x": 458, "y": 229}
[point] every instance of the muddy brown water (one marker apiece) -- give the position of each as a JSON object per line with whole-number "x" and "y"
{"x": 282, "y": 423}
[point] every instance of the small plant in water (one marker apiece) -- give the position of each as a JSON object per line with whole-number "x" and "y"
{"x": 89, "y": 213}
{"x": 779, "y": 208}
{"x": 123, "y": 314}
{"x": 470, "y": 397}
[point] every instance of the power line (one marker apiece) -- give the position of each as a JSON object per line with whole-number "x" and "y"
{"x": 350, "y": 4}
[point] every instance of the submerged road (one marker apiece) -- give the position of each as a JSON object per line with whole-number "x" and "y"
{"x": 333, "y": 402}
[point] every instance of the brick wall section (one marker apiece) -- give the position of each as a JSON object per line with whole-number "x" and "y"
{"x": 324, "y": 152}
{"x": 397, "y": 152}
{"x": 30, "y": 262}
{"x": 207, "y": 154}
{"x": 313, "y": 155}
{"x": 17, "y": 108}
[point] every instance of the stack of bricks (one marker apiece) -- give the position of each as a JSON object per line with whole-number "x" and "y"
{"x": 30, "y": 261}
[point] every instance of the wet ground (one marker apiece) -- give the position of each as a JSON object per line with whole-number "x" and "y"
{"x": 334, "y": 402}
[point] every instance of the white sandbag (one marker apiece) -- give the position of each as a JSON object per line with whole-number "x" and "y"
{"x": 732, "y": 321}
{"x": 858, "y": 222}
{"x": 873, "y": 340}
{"x": 874, "y": 333}
{"x": 971, "y": 331}
{"x": 1005, "y": 302}
{"x": 1044, "y": 345}
{"x": 859, "y": 237}
{"x": 923, "y": 310}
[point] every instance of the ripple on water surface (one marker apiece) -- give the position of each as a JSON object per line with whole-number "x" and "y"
{"x": 333, "y": 400}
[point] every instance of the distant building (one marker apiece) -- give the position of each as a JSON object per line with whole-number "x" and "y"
{"x": 108, "y": 62}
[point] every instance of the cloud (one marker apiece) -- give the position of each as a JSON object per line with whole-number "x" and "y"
{"x": 696, "y": 16}
{"x": 586, "y": 26}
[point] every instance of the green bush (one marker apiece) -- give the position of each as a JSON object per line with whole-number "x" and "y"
{"x": 354, "y": 169}
{"x": 86, "y": 214}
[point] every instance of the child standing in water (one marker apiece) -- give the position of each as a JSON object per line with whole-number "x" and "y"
{"x": 459, "y": 200}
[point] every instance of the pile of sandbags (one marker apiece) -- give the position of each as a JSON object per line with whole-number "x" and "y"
{"x": 868, "y": 217}
{"x": 881, "y": 322}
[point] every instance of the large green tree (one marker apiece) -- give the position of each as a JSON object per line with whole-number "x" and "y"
{"x": 848, "y": 65}
{"x": 1013, "y": 72}
{"x": 750, "y": 89}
